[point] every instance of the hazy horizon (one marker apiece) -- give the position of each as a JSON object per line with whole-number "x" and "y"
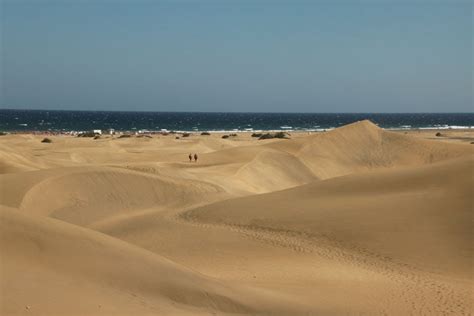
{"x": 203, "y": 56}
{"x": 237, "y": 112}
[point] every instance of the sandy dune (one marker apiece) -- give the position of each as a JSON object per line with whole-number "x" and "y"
{"x": 357, "y": 220}
{"x": 58, "y": 268}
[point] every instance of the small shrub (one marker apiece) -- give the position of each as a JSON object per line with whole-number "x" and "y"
{"x": 97, "y": 137}
{"x": 438, "y": 134}
{"x": 266, "y": 136}
{"x": 46, "y": 140}
{"x": 233, "y": 135}
{"x": 257, "y": 135}
{"x": 206, "y": 133}
{"x": 225, "y": 136}
{"x": 186, "y": 134}
{"x": 177, "y": 137}
{"x": 125, "y": 136}
{"x": 276, "y": 135}
{"x": 3, "y": 134}
{"x": 142, "y": 135}
{"x": 280, "y": 135}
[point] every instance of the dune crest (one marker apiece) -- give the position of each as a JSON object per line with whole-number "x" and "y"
{"x": 363, "y": 146}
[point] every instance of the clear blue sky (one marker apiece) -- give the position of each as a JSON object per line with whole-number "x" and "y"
{"x": 264, "y": 56}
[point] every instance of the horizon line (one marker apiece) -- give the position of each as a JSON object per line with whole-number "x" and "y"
{"x": 226, "y": 112}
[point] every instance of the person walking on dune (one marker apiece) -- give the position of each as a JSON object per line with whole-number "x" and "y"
{"x": 195, "y": 157}
{"x": 190, "y": 158}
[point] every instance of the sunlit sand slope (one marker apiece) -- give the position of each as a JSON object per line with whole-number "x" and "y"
{"x": 412, "y": 227}
{"x": 420, "y": 215}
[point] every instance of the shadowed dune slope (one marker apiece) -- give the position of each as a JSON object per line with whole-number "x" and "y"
{"x": 53, "y": 268}
{"x": 85, "y": 195}
{"x": 419, "y": 216}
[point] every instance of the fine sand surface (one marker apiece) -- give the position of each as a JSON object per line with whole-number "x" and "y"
{"x": 354, "y": 221}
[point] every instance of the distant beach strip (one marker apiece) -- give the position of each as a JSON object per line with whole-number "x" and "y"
{"x": 68, "y": 121}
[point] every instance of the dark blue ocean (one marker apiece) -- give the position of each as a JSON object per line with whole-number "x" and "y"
{"x": 45, "y": 120}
